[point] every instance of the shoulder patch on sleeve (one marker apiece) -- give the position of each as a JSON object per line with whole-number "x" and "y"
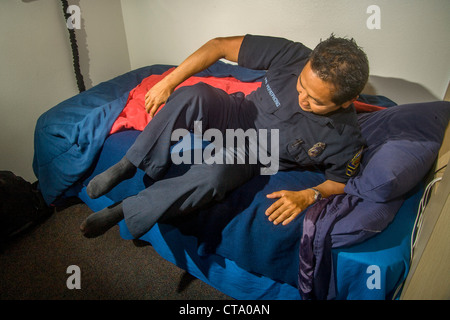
{"x": 353, "y": 165}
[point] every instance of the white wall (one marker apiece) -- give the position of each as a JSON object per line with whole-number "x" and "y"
{"x": 409, "y": 54}
{"x": 104, "y": 53}
{"x": 37, "y": 70}
{"x": 411, "y": 49}
{"x": 35, "y": 73}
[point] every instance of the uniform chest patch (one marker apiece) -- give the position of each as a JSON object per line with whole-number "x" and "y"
{"x": 317, "y": 149}
{"x": 352, "y": 166}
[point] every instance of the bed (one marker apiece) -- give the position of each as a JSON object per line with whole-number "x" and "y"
{"x": 351, "y": 246}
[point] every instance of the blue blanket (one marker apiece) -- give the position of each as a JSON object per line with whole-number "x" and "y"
{"x": 69, "y": 136}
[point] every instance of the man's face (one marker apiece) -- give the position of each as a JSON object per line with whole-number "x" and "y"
{"x": 314, "y": 94}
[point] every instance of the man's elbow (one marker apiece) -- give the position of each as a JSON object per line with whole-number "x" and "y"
{"x": 227, "y": 47}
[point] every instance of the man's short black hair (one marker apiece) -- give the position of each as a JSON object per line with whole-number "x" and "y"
{"x": 344, "y": 64}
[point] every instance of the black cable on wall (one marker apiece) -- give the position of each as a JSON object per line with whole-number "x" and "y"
{"x": 75, "y": 53}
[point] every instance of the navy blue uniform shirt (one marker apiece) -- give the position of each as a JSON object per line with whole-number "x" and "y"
{"x": 332, "y": 142}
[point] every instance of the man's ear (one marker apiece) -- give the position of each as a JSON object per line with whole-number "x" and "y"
{"x": 347, "y": 104}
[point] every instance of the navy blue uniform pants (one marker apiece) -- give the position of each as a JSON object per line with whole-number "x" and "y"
{"x": 202, "y": 183}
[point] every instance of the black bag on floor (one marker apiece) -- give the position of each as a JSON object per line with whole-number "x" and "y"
{"x": 21, "y": 205}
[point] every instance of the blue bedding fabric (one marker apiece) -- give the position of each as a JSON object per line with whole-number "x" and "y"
{"x": 70, "y": 137}
{"x": 248, "y": 276}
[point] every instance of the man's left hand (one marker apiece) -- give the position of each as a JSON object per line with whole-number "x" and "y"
{"x": 289, "y": 205}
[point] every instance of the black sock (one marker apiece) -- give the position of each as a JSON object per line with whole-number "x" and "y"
{"x": 106, "y": 181}
{"x": 98, "y": 223}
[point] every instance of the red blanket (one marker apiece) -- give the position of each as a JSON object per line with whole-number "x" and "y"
{"x": 134, "y": 116}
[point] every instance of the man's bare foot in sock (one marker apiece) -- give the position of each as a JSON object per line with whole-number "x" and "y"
{"x": 106, "y": 181}
{"x": 98, "y": 223}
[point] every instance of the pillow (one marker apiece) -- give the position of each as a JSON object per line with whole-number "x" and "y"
{"x": 403, "y": 142}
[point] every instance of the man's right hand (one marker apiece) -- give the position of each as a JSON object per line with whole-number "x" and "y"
{"x": 157, "y": 96}
{"x": 215, "y": 49}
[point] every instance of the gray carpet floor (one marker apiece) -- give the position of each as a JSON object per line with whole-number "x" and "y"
{"x": 34, "y": 266}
